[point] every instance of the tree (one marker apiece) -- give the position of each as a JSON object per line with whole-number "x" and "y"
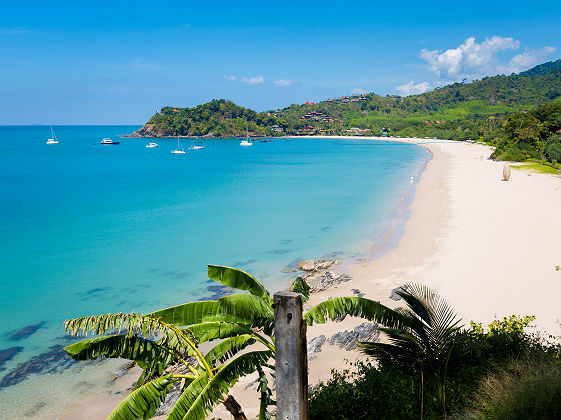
{"x": 423, "y": 343}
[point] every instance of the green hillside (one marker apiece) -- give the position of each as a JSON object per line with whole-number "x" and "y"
{"x": 459, "y": 111}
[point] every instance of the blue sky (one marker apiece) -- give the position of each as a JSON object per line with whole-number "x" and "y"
{"x": 117, "y": 62}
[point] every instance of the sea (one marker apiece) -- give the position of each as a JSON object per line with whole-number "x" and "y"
{"x": 90, "y": 229}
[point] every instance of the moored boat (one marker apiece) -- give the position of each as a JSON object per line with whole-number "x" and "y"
{"x": 109, "y": 141}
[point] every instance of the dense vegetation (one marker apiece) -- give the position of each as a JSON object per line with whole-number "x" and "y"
{"x": 528, "y": 367}
{"x": 459, "y": 111}
{"x": 532, "y": 134}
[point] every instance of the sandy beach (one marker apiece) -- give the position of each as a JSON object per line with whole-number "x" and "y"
{"x": 488, "y": 246}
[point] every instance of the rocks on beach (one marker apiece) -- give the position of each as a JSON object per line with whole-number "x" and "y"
{"x": 311, "y": 265}
{"x": 349, "y": 339}
{"x": 326, "y": 280}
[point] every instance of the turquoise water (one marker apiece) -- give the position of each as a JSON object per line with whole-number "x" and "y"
{"x": 90, "y": 229}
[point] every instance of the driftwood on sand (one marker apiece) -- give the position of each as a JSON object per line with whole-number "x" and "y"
{"x": 506, "y": 172}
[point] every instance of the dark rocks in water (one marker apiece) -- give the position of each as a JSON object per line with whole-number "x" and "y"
{"x": 54, "y": 361}
{"x": 97, "y": 290}
{"x": 33, "y": 411}
{"x": 218, "y": 291}
{"x": 244, "y": 263}
{"x": 278, "y": 251}
{"x": 8, "y": 354}
{"x": 348, "y": 339}
{"x": 314, "y": 346}
{"x": 26, "y": 331}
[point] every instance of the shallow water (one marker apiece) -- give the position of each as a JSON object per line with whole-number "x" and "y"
{"x": 91, "y": 229}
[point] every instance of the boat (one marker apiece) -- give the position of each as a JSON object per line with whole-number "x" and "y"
{"x": 247, "y": 141}
{"x": 179, "y": 150}
{"x": 197, "y": 146}
{"x": 151, "y": 145}
{"x": 53, "y": 139}
{"x": 266, "y": 141}
{"x": 109, "y": 141}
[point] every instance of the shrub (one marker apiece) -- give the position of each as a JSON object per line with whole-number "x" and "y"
{"x": 369, "y": 392}
{"x": 523, "y": 389}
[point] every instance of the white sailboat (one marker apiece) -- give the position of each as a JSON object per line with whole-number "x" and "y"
{"x": 198, "y": 145}
{"x": 53, "y": 139}
{"x": 179, "y": 150}
{"x": 247, "y": 141}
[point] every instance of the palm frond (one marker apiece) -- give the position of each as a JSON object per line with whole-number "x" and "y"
{"x": 208, "y": 331}
{"x": 248, "y": 310}
{"x": 237, "y": 279}
{"x": 135, "y": 348}
{"x": 191, "y": 313}
{"x": 300, "y": 286}
{"x": 200, "y": 397}
{"x": 227, "y": 348}
{"x": 339, "y": 308}
{"x": 144, "y": 401}
{"x": 133, "y": 324}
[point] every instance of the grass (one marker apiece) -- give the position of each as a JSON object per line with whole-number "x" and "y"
{"x": 535, "y": 167}
{"x": 522, "y": 389}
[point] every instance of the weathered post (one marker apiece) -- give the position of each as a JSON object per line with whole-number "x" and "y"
{"x": 291, "y": 361}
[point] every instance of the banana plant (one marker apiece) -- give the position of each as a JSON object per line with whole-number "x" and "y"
{"x": 165, "y": 344}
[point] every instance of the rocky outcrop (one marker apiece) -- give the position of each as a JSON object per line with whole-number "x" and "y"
{"x": 312, "y": 266}
{"x": 314, "y": 346}
{"x": 349, "y": 339}
{"x": 325, "y": 280}
{"x": 147, "y": 130}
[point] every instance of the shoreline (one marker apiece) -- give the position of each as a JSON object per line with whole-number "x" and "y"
{"x": 459, "y": 192}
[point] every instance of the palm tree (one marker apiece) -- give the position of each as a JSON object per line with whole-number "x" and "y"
{"x": 423, "y": 341}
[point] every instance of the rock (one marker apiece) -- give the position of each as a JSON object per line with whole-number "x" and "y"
{"x": 328, "y": 279}
{"x": 357, "y": 292}
{"x": 171, "y": 399}
{"x": 314, "y": 346}
{"x": 8, "y": 354}
{"x": 348, "y": 339}
{"x": 26, "y": 331}
{"x": 394, "y": 295}
{"x": 311, "y": 265}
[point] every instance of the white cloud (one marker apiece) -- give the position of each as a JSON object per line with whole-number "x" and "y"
{"x": 357, "y": 91}
{"x": 413, "y": 89}
{"x": 529, "y": 58}
{"x": 469, "y": 58}
{"x": 252, "y": 80}
{"x": 473, "y": 60}
{"x": 248, "y": 80}
{"x": 282, "y": 82}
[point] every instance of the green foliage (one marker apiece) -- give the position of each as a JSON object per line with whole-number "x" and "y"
{"x": 367, "y": 393}
{"x": 392, "y": 390}
{"x": 237, "y": 279}
{"x": 143, "y": 402}
{"x": 459, "y": 111}
{"x": 522, "y": 389}
{"x": 531, "y": 134}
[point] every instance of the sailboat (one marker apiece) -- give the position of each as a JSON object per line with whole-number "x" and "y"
{"x": 198, "y": 145}
{"x": 179, "y": 150}
{"x": 53, "y": 139}
{"x": 247, "y": 140}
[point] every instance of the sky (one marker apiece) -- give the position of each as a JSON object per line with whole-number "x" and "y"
{"x": 116, "y": 62}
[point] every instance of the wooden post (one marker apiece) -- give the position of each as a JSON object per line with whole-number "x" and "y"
{"x": 291, "y": 361}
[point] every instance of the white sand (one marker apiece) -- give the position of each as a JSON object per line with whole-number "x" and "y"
{"x": 489, "y": 247}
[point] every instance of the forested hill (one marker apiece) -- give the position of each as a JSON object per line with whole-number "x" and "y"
{"x": 458, "y": 111}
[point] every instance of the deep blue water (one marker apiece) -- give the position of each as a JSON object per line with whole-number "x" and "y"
{"x": 90, "y": 229}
